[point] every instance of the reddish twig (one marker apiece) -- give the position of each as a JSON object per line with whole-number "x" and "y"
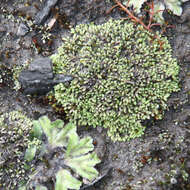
{"x": 131, "y": 15}
{"x": 166, "y": 26}
{"x": 140, "y": 21}
{"x": 109, "y": 11}
{"x": 151, "y": 15}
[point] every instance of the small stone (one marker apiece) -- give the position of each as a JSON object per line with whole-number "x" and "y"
{"x": 43, "y": 14}
{"x": 39, "y": 78}
{"x": 173, "y": 180}
{"x": 22, "y": 30}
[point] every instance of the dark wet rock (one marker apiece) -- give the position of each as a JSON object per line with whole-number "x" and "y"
{"x": 43, "y": 14}
{"x": 39, "y": 78}
{"x": 22, "y": 30}
{"x": 79, "y": 11}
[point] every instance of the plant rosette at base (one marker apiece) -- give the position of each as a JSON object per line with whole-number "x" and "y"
{"x": 121, "y": 77}
{"x": 64, "y": 157}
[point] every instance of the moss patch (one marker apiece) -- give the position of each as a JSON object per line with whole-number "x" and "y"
{"x": 14, "y": 139}
{"x": 121, "y": 77}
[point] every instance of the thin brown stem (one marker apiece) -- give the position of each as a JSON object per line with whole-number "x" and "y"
{"x": 110, "y": 10}
{"x": 137, "y": 20}
{"x": 131, "y": 15}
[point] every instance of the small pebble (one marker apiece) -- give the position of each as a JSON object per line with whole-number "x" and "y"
{"x": 22, "y": 30}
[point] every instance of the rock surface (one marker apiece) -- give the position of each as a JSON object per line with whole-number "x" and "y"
{"x": 39, "y": 78}
{"x": 22, "y": 30}
{"x": 43, "y": 14}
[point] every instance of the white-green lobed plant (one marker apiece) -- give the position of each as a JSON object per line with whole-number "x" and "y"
{"x": 62, "y": 153}
{"x": 160, "y": 6}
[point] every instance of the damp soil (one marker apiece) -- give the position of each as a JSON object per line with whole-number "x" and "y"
{"x": 160, "y": 159}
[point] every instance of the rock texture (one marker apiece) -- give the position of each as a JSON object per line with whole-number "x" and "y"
{"x": 39, "y": 78}
{"x": 43, "y": 14}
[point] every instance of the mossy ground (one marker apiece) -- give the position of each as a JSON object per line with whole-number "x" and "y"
{"x": 166, "y": 142}
{"x": 122, "y": 77}
{"x": 14, "y": 137}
